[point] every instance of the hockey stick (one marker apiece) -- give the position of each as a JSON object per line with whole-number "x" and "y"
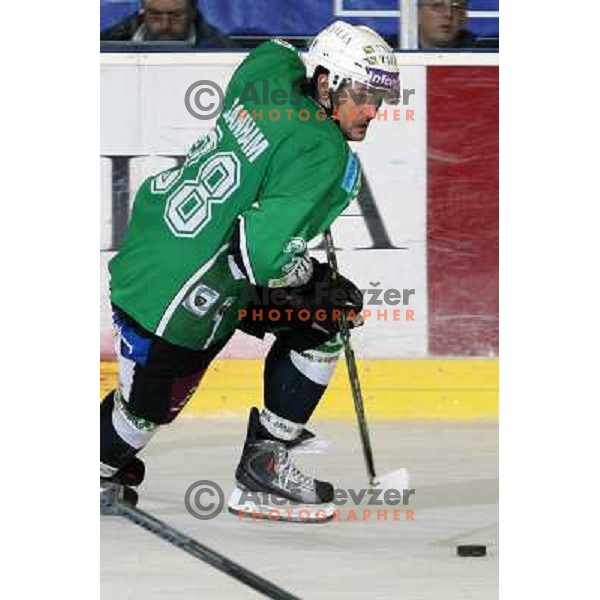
{"x": 199, "y": 551}
{"x": 397, "y": 479}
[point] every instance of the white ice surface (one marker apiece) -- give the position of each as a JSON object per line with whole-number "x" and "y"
{"x": 454, "y": 470}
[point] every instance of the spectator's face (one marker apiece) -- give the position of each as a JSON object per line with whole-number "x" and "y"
{"x": 440, "y": 22}
{"x": 167, "y": 20}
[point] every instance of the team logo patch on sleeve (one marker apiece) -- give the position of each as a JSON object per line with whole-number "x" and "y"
{"x": 351, "y": 173}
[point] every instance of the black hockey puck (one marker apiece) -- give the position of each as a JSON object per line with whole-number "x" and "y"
{"x": 471, "y": 550}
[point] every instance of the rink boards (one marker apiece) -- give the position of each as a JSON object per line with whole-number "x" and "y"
{"x": 427, "y": 221}
{"x": 453, "y": 390}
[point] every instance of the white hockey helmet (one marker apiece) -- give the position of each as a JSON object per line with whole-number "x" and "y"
{"x": 356, "y": 53}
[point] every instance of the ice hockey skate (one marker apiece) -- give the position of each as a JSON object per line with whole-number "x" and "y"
{"x": 119, "y": 487}
{"x": 270, "y": 486}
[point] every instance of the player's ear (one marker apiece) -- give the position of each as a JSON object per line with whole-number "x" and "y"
{"x": 323, "y": 89}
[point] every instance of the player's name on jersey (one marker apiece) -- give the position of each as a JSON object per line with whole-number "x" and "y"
{"x": 246, "y": 131}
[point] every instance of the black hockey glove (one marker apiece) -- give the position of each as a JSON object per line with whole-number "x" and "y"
{"x": 325, "y": 298}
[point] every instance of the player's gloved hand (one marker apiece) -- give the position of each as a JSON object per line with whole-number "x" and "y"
{"x": 298, "y": 272}
{"x": 327, "y": 297}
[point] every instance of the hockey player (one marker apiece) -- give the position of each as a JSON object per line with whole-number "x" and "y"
{"x": 234, "y": 219}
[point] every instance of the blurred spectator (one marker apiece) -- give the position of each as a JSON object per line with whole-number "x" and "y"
{"x": 168, "y": 21}
{"x": 442, "y": 24}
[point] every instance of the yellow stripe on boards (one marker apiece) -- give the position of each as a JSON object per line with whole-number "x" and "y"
{"x": 393, "y": 389}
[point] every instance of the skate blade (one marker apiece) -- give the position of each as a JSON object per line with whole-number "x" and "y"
{"x": 247, "y": 509}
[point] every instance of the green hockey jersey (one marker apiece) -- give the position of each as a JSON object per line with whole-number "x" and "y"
{"x": 247, "y": 198}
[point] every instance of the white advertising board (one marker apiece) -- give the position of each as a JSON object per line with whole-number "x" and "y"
{"x": 382, "y": 239}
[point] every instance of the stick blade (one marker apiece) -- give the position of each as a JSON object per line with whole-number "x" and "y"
{"x": 395, "y": 480}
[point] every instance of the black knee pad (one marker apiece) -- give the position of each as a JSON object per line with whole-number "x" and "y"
{"x": 160, "y": 399}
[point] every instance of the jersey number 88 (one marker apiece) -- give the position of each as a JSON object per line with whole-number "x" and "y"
{"x": 188, "y": 208}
